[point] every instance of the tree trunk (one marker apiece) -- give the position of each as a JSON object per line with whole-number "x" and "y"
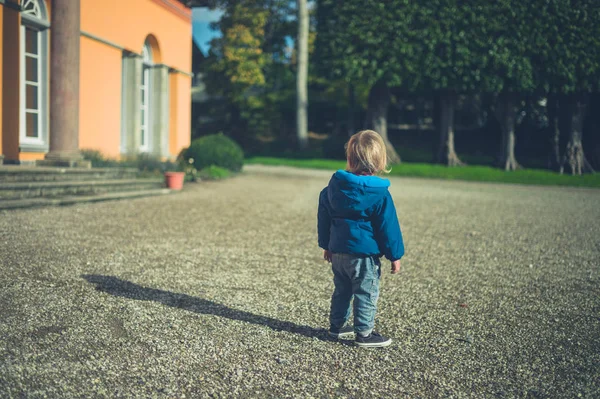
{"x": 506, "y": 113}
{"x": 446, "y": 153}
{"x": 302, "y": 74}
{"x": 553, "y": 105}
{"x": 379, "y": 100}
{"x": 351, "y": 108}
{"x": 574, "y": 155}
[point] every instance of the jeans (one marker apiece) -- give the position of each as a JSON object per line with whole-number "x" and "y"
{"x": 358, "y": 277}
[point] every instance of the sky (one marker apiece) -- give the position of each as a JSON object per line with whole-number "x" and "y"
{"x": 201, "y": 32}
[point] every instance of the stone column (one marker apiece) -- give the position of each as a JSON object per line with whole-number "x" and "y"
{"x": 131, "y": 104}
{"x": 64, "y": 85}
{"x": 11, "y": 93}
{"x": 159, "y": 105}
{"x": 1, "y": 78}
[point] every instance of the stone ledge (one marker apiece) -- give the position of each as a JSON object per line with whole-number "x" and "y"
{"x": 71, "y": 200}
{"x": 77, "y": 183}
{"x": 33, "y": 169}
{"x": 63, "y": 163}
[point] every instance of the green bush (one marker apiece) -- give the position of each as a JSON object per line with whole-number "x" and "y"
{"x": 148, "y": 163}
{"x": 217, "y": 150}
{"x": 98, "y": 159}
{"x": 214, "y": 173}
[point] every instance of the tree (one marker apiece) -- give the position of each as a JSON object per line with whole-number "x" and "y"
{"x": 366, "y": 42}
{"x": 584, "y": 34}
{"x": 574, "y": 155}
{"x": 453, "y": 51}
{"x": 378, "y": 104}
{"x": 236, "y": 66}
{"x": 437, "y": 47}
{"x": 240, "y": 57}
{"x": 553, "y": 112}
{"x": 566, "y": 56}
{"x": 302, "y": 74}
{"x": 506, "y": 109}
{"x": 249, "y": 70}
{"x": 509, "y": 68}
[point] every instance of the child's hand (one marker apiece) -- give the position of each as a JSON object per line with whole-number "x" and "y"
{"x": 395, "y": 266}
{"x": 327, "y": 255}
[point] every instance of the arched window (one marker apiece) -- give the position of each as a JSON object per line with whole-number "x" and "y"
{"x": 145, "y": 104}
{"x": 145, "y": 101}
{"x": 32, "y": 8}
{"x": 34, "y": 75}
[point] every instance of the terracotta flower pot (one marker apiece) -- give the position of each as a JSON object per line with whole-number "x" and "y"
{"x": 174, "y": 180}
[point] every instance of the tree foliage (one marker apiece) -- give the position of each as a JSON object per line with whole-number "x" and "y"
{"x": 567, "y": 61}
{"x": 450, "y": 47}
{"x": 475, "y": 46}
{"x": 248, "y": 69}
{"x": 364, "y": 40}
{"x": 237, "y": 59}
{"x": 510, "y": 50}
{"x": 566, "y": 45}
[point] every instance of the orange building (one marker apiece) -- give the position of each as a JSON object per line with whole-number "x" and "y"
{"x": 108, "y": 75}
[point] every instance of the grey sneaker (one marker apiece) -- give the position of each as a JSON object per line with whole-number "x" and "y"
{"x": 346, "y": 332}
{"x": 372, "y": 340}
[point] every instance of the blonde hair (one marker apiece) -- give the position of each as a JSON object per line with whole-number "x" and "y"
{"x": 365, "y": 153}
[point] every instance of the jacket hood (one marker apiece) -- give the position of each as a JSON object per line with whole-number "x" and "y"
{"x": 351, "y": 193}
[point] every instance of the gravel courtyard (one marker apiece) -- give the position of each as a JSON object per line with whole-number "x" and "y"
{"x": 221, "y": 291}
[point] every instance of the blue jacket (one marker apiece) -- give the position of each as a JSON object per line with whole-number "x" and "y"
{"x": 357, "y": 216}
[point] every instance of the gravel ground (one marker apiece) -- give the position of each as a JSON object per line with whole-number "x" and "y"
{"x": 221, "y": 291}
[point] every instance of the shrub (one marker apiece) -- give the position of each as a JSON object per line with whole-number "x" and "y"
{"x": 214, "y": 173}
{"x": 149, "y": 163}
{"x": 217, "y": 150}
{"x": 98, "y": 159}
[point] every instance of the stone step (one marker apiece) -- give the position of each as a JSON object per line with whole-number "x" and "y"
{"x": 55, "y": 189}
{"x": 71, "y": 200}
{"x": 19, "y": 173}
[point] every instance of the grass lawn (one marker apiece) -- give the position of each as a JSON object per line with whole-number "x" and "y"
{"x": 469, "y": 173}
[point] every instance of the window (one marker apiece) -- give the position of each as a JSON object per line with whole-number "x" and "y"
{"x": 32, "y": 8}
{"x": 33, "y": 79}
{"x": 145, "y": 103}
{"x": 32, "y": 83}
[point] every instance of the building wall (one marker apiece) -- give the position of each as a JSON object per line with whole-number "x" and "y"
{"x": 181, "y": 112}
{"x": 166, "y": 25}
{"x": 132, "y": 21}
{"x": 100, "y": 97}
{"x": 110, "y": 29}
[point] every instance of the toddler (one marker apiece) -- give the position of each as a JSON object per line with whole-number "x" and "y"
{"x": 357, "y": 224}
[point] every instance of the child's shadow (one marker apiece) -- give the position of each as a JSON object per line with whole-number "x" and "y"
{"x": 126, "y": 289}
